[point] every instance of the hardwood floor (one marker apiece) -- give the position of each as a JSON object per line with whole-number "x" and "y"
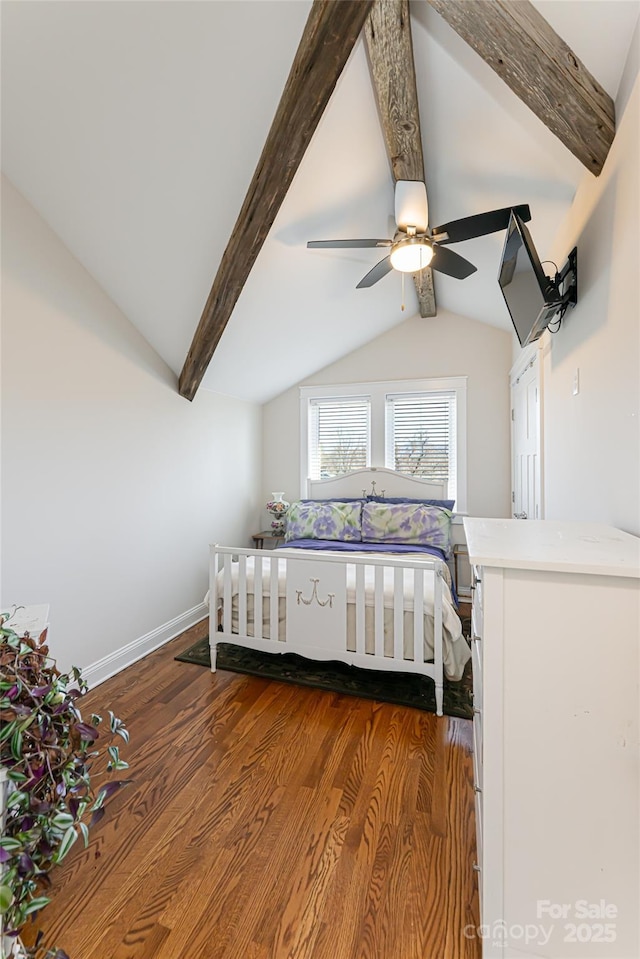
{"x": 270, "y": 821}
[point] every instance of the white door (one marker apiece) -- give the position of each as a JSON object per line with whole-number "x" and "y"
{"x": 526, "y": 460}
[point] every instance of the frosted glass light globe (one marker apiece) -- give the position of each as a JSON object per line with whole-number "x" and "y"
{"x": 411, "y": 254}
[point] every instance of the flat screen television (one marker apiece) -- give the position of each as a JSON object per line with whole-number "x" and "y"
{"x": 532, "y": 298}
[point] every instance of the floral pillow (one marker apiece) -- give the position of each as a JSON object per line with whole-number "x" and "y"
{"x": 333, "y": 520}
{"x": 407, "y": 523}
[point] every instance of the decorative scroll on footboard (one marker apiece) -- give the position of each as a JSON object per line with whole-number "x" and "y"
{"x": 369, "y": 611}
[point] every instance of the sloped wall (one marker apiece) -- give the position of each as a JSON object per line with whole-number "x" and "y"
{"x": 112, "y": 484}
{"x": 446, "y": 345}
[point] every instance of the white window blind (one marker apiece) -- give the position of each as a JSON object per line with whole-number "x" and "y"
{"x": 339, "y": 431}
{"x": 421, "y": 435}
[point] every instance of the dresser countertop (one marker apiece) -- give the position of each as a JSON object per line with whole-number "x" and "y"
{"x": 570, "y": 547}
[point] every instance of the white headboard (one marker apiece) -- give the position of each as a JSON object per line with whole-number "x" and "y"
{"x": 376, "y": 481}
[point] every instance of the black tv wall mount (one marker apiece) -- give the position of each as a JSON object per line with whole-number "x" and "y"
{"x": 565, "y": 282}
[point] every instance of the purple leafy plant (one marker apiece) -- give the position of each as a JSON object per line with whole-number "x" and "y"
{"x": 47, "y": 752}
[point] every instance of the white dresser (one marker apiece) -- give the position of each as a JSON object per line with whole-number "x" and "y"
{"x": 556, "y": 637}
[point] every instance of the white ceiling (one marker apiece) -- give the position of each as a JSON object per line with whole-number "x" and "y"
{"x": 134, "y": 129}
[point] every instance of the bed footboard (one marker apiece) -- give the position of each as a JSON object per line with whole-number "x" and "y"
{"x": 369, "y": 611}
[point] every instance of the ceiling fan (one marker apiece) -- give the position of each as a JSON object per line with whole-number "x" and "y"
{"x": 415, "y": 246}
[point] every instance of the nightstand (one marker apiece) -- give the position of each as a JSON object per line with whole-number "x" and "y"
{"x": 462, "y": 582}
{"x": 267, "y": 534}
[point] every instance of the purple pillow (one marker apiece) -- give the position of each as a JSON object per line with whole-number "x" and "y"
{"x": 444, "y": 503}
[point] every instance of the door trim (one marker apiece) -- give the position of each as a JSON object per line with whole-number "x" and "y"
{"x": 530, "y": 357}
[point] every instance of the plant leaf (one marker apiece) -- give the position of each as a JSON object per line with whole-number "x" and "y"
{"x": 10, "y": 843}
{"x": 6, "y": 898}
{"x": 63, "y": 820}
{"x": 124, "y": 732}
{"x": 85, "y": 833}
{"x": 17, "y": 798}
{"x": 110, "y": 788}
{"x": 89, "y": 733}
{"x": 39, "y": 903}
{"x": 16, "y": 744}
{"x": 67, "y": 842}
{"x": 16, "y": 776}
{"x": 7, "y": 730}
{"x": 26, "y": 864}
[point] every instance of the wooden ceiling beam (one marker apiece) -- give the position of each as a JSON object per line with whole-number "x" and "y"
{"x": 518, "y": 43}
{"x": 331, "y": 31}
{"x": 387, "y": 34}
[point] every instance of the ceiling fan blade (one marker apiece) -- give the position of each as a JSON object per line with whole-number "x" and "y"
{"x": 346, "y": 244}
{"x": 411, "y": 205}
{"x": 380, "y": 269}
{"x": 481, "y": 224}
{"x": 446, "y": 261}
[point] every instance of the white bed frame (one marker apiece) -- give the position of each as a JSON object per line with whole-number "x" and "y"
{"x": 316, "y": 592}
{"x": 375, "y": 481}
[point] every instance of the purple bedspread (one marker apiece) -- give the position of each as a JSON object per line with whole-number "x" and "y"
{"x": 342, "y": 547}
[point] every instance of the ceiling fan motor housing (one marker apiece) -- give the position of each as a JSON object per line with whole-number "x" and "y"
{"x": 411, "y": 207}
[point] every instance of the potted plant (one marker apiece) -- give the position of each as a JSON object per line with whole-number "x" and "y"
{"x": 50, "y": 790}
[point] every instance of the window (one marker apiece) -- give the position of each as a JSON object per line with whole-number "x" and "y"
{"x": 338, "y": 435}
{"x": 420, "y": 435}
{"x": 413, "y": 426}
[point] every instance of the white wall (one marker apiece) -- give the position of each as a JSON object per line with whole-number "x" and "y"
{"x": 112, "y": 485}
{"x": 446, "y": 345}
{"x": 592, "y": 440}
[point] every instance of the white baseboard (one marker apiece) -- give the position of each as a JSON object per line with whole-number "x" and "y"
{"x": 109, "y": 665}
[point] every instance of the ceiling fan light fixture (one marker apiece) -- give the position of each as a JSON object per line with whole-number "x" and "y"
{"x": 411, "y": 254}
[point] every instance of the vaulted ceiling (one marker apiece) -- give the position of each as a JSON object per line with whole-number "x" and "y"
{"x": 135, "y": 129}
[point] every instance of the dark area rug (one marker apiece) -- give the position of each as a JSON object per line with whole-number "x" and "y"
{"x": 404, "y": 689}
